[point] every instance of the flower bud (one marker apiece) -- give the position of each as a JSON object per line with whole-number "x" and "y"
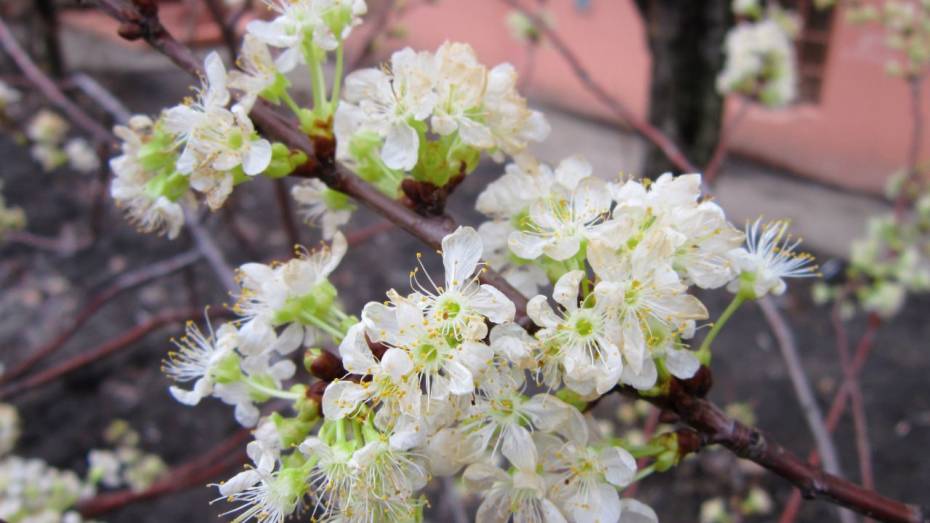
{"x": 323, "y": 364}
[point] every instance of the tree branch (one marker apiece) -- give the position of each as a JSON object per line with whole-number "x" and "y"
{"x": 182, "y": 477}
{"x": 107, "y": 349}
{"x": 124, "y": 282}
{"x": 48, "y": 88}
{"x": 752, "y": 444}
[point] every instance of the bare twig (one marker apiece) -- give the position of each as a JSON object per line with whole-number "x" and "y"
{"x": 837, "y": 408}
{"x": 211, "y": 251}
{"x": 124, "y": 282}
{"x": 805, "y": 394}
{"x": 287, "y": 215}
{"x": 192, "y": 474}
{"x": 366, "y": 233}
{"x": 863, "y": 448}
{"x": 639, "y": 125}
{"x": 915, "y": 84}
{"x": 101, "y": 96}
{"x": 228, "y": 31}
{"x": 87, "y": 357}
{"x": 378, "y": 25}
{"x": 48, "y": 88}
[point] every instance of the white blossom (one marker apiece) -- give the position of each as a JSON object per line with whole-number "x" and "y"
{"x": 769, "y": 257}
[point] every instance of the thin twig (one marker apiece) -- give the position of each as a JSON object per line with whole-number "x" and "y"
{"x": 227, "y": 31}
{"x": 287, "y": 215}
{"x": 804, "y": 393}
{"x": 122, "y": 283}
{"x": 211, "y": 251}
{"x": 371, "y": 39}
{"x": 106, "y": 349}
{"x": 752, "y": 444}
{"x": 101, "y": 96}
{"x": 192, "y": 474}
{"x": 915, "y": 85}
{"x": 364, "y": 234}
{"x": 837, "y": 408}
{"x": 48, "y": 88}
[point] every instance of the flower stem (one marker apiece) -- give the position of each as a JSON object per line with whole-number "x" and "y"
{"x": 268, "y": 391}
{"x": 318, "y": 83}
{"x": 289, "y": 101}
{"x": 703, "y": 353}
{"x": 337, "y": 79}
{"x": 322, "y": 325}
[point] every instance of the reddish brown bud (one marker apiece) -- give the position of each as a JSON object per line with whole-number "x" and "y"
{"x": 699, "y": 384}
{"x": 689, "y": 442}
{"x": 378, "y": 349}
{"x": 324, "y": 365}
{"x": 316, "y": 390}
{"x": 130, "y": 31}
{"x": 147, "y": 8}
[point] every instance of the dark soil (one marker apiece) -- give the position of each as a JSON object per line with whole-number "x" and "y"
{"x": 42, "y": 291}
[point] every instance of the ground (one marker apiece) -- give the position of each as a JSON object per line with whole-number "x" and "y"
{"x": 62, "y": 421}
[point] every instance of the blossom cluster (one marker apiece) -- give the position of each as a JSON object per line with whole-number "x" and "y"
{"x": 889, "y": 262}
{"x": 442, "y": 380}
{"x": 907, "y": 28}
{"x": 31, "y": 491}
{"x": 760, "y": 61}
{"x": 431, "y": 115}
{"x": 209, "y": 144}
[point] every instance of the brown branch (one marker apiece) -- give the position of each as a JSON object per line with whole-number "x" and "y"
{"x": 124, "y": 282}
{"x": 915, "y": 85}
{"x": 802, "y": 387}
{"x": 752, "y": 444}
{"x": 227, "y": 31}
{"x": 101, "y": 96}
{"x": 639, "y": 125}
{"x": 863, "y": 448}
{"x": 48, "y": 88}
{"x": 211, "y": 251}
{"x": 837, "y": 408}
{"x": 287, "y": 215}
{"x": 106, "y": 349}
{"x": 191, "y": 474}
{"x": 377, "y": 28}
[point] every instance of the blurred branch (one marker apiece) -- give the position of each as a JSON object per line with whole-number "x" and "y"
{"x": 639, "y": 125}
{"x": 90, "y": 356}
{"x": 287, "y": 215}
{"x": 227, "y": 30}
{"x": 837, "y": 408}
{"x": 48, "y": 88}
{"x": 191, "y": 474}
{"x": 124, "y": 282}
{"x": 211, "y": 251}
{"x": 805, "y": 394}
{"x": 101, "y": 96}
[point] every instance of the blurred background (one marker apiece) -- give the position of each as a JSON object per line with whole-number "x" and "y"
{"x": 822, "y": 161}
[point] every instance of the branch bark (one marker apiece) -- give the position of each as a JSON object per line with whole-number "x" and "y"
{"x": 752, "y": 444}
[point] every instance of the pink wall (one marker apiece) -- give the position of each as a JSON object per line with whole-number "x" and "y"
{"x": 855, "y": 137}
